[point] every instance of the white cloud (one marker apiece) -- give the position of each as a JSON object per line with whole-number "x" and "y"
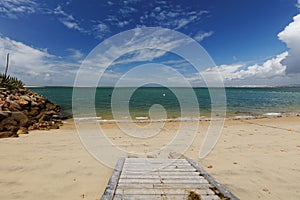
{"x": 15, "y": 8}
{"x": 110, "y": 3}
{"x": 182, "y": 22}
{"x": 159, "y": 13}
{"x": 157, "y": 9}
{"x": 172, "y": 17}
{"x": 68, "y": 20}
{"x": 127, "y": 10}
{"x": 284, "y": 69}
{"x": 100, "y": 29}
{"x": 34, "y": 66}
{"x": 201, "y": 35}
{"x": 140, "y": 46}
{"x": 133, "y": 47}
{"x": 228, "y": 71}
{"x": 76, "y": 54}
{"x": 169, "y": 15}
{"x": 291, "y": 36}
{"x": 18, "y": 8}
{"x": 269, "y": 69}
{"x": 121, "y": 24}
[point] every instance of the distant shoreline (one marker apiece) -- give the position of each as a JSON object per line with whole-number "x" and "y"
{"x": 229, "y": 87}
{"x": 34, "y": 86}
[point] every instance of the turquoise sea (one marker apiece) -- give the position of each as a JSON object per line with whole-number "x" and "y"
{"x": 240, "y": 101}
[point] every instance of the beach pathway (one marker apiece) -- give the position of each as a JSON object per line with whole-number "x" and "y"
{"x": 157, "y": 178}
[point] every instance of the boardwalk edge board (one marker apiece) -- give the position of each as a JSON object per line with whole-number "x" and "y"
{"x": 113, "y": 181}
{"x": 220, "y": 188}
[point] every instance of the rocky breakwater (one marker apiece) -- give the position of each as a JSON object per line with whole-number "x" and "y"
{"x": 22, "y": 110}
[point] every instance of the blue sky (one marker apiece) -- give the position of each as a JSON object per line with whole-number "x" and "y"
{"x": 252, "y": 42}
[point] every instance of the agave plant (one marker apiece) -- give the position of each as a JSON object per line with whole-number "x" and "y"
{"x": 10, "y": 82}
{"x": 7, "y": 81}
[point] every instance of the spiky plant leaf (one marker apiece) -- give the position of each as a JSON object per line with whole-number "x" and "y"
{"x": 10, "y": 82}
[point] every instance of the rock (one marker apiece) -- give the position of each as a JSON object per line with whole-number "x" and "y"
{"x": 22, "y": 130}
{"x": 22, "y": 110}
{"x": 55, "y": 116}
{"x": 25, "y": 112}
{"x": 8, "y": 134}
{"x": 51, "y": 106}
{"x": 51, "y": 112}
{"x": 10, "y": 127}
{"x": 40, "y": 115}
{"x": 14, "y": 106}
{"x": 3, "y": 115}
{"x": 33, "y": 112}
{"x": 22, "y": 91}
{"x": 32, "y": 127}
{"x": 5, "y": 105}
{"x": 22, "y": 102}
{"x": 25, "y": 98}
{"x": 35, "y": 104}
{"x": 20, "y": 117}
{"x": 45, "y": 118}
{"x": 34, "y": 107}
{"x": 8, "y": 121}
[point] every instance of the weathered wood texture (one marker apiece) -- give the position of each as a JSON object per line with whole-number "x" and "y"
{"x": 155, "y": 178}
{"x": 218, "y": 186}
{"x": 113, "y": 181}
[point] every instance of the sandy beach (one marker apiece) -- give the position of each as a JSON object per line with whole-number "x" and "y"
{"x": 254, "y": 159}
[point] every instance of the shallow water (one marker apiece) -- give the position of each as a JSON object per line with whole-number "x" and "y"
{"x": 178, "y": 103}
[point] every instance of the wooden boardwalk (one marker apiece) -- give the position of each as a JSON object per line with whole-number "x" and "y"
{"x": 156, "y": 178}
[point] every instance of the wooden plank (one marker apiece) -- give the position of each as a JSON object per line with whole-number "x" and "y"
{"x": 153, "y": 161}
{"x": 166, "y": 181}
{"x": 145, "y": 160}
{"x": 156, "y": 168}
{"x": 225, "y": 192}
{"x": 157, "y": 165}
{"x": 164, "y": 191}
{"x": 174, "y": 173}
{"x": 210, "y": 197}
{"x": 151, "y": 166}
{"x": 166, "y": 186}
{"x": 148, "y": 197}
{"x": 161, "y": 197}
{"x": 160, "y": 170}
{"x": 158, "y": 176}
{"x": 113, "y": 181}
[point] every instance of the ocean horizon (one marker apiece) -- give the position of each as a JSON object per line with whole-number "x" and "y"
{"x": 241, "y": 102}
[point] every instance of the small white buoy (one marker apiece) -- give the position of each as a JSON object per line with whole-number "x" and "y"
{"x": 164, "y": 94}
